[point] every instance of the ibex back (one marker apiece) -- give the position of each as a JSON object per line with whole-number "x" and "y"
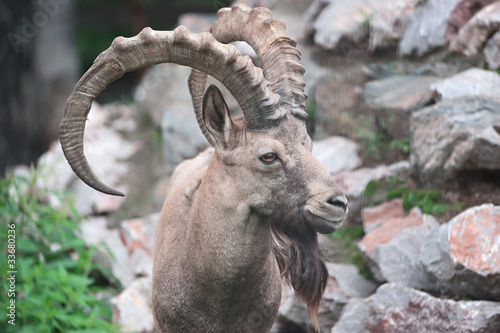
{"x": 242, "y": 217}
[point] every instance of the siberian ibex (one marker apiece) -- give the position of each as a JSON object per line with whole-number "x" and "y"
{"x": 237, "y": 221}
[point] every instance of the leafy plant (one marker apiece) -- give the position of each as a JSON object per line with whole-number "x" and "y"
{"x": 349, "y": 236}
{"x": 53, "y": 285}
{"x": 429, "y": 201}
{"x": 402, "y": 144}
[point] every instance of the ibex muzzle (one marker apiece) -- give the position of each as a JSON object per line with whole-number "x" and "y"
{"x": 237, "y": 221}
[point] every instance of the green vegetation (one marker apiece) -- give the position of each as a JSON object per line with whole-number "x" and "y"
{"x": 429, "y": 201}
{"x": 377, "y": 143}
{"x": 55, "y": 279}
{"x": 349, "y": 236}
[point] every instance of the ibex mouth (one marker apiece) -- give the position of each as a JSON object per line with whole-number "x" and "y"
{"x": 325, "y": 225}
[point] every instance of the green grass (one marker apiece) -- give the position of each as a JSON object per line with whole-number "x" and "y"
{"x": 54, "y": 284}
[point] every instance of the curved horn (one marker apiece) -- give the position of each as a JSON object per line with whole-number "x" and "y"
{"x": 197, "y": 82}
{"x": 201, "y": 51}
{"x": 277, "y": 52}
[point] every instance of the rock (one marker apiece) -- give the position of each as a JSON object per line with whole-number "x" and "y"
{"x": 474, "y": 82}
{"x": 401, "y": 92}
{"x": 354, "y": 183}
{"x": 463, "y": 256}
{"x": 492, "y": 51}
{"x": 132, "y": 307}
{"x": 117, "y": 259}
{"x": 374, "y": 217}
{"x": 393, "y": 249}
{"x": 397, "y": 309}
{"x": 105, "y": 150}
{"x": 460, "y": 15}
{"x": 138, "y": 236}
{"x": 130, "y": 246}
{"x": 311, "y": 15}
{"x": 453, "y": 137}
{"x": 389, "y": 22}
{"x": 164, "y": 92}
{"x": 344, "y": 20}
{"x": 426, "y": 30}
{"x": 344, "y": 283}
{"x": 335, "y": 98}
{"x": 337, "y": 153}
{"x": 473, "y": 35}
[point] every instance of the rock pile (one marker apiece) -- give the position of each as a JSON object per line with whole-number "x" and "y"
{"x": 411, "y": 27}
{"x": 430, "y": 276}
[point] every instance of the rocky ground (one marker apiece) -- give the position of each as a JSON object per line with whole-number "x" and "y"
{"x": 405, "y": 113}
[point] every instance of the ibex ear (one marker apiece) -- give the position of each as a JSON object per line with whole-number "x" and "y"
{"x": 216, "y": 116}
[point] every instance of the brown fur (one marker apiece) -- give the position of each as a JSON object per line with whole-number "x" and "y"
{"x": 301, "y": 263}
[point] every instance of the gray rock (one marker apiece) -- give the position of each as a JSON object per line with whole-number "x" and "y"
{"x": 393, "y": 249}
{"x": 337, "y": 153}
{"x": 474, "y": 82}
{"x": 164, "y": 93}
{"x": 132, "y": 307}
{"x": 335, "y": 99}
{"x": 402, "y": 92}
{"x": 344, "y": 283}
{"x": 492, "y": 51}
{"x": 426, "y": 30}
{"x": 106, "y": 150}
{"x": 344, "y": 20}
{"x": 398, "y": 309}
{"x": 138, "y": 236}
{"x": 354, "y": 183}
{"x": 473, "y": 35}
{"x": 389, "y": 22}
{"x": 460, "y": 15}
{"x": 462, "y": 256}
{"x": 112, "y": 252}
{"x": 453, "y": 137}
{"x": 311, "y": 15}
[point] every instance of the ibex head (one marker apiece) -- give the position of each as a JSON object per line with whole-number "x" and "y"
{"x": 266, "y": 153}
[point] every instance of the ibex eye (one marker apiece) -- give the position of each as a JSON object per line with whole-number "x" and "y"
{"x": 268, "y": 158}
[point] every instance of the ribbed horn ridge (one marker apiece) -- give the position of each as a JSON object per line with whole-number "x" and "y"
{"x": 277, "y": 52}
{"x": 200, "y": 51}
{"x": 197, "y": 82}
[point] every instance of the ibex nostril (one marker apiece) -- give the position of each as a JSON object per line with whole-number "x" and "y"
{"x": 338, "y": 201}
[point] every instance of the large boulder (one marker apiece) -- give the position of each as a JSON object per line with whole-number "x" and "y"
{"x": 343, "y": 21}
{"x": 426, "y": 30}
{"x": 337, "y": 153}
{"x": 400, "y": 92}
{"x": 492, "y": 51}
{"x": 392, "y": 249}
{"x": 462, "y": 256}
{"x": 374, "y": 217}
{"x": 460, "y": 15}
{"x": 473, "y": 35}
{"x": 474, "y": 82}
{"x": 353, "y": 183}
{"x": 128, "y": 249}
{"x": 453, "y": 137}
{"x": 132, "y": 307}
{"x": 389, "y": 22}
{"x": 336, "y": 100}
{"x": 344, "y": 283}
{"x": 111, "y": 253}
{"x": 397, "y": 309}
{"x": 164, "y": 93}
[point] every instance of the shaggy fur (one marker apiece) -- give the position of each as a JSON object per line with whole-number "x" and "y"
{"x": 301, "y": 263}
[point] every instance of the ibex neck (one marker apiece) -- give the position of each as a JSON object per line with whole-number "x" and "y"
{"x": 228, "y": 236}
